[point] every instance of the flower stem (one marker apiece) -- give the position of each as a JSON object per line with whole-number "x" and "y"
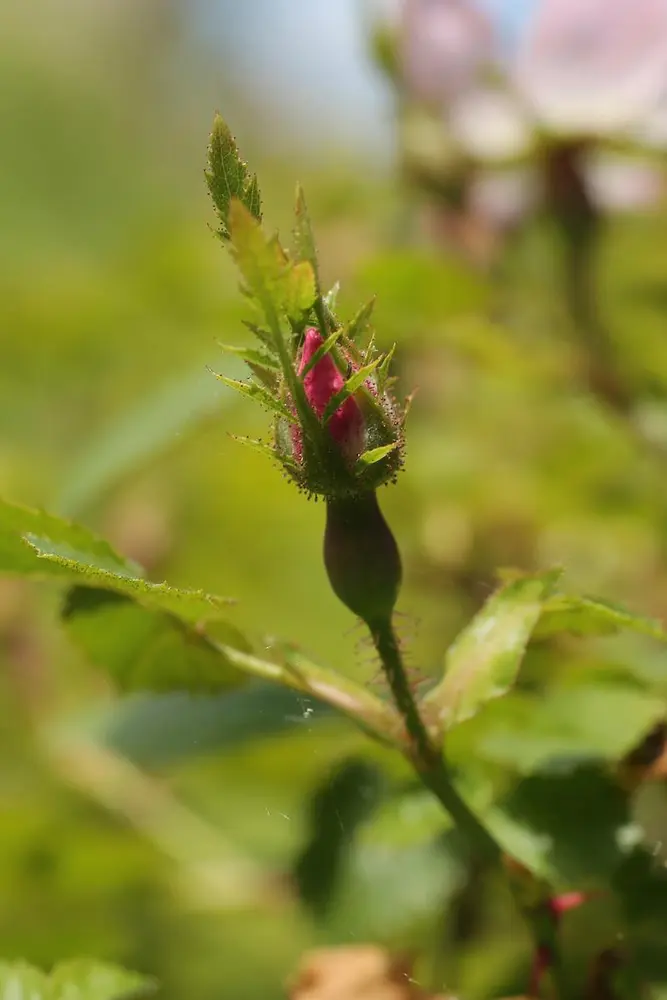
{"x": 427, "y": 758}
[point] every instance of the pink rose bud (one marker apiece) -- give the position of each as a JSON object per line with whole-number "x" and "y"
{"x": 321, "y": 384}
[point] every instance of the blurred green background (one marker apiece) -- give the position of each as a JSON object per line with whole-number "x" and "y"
{"x": 114, "y": 294}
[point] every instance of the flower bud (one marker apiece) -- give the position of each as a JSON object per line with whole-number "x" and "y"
{"x": 321, "y": 384}
{"x": 361, "y": 558}
{"x": 357, "y": 447}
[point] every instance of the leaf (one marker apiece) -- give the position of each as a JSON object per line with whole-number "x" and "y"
{"x": 592, "y": 616}
{"x": 584, "y": 721}
{"x": 374, "y": 455}
{"x": 145, "y": 650}
{"x": 300, "y": 291}
{"x": 189, "y": 605}
{"x": 358, "y": 326}
{"x": 228, "y": 177}
{"x": 156, "y": 730}
{"x": 260, "y": 394}
{"x": 304, "y": 239}
{"x": 19, "y": 524}
{"x": 344, "y": 799}
{"x": 75, "y": 980}
{"x": 572, "y": 828}
{"x": 484, "y": 660}
{"x": 139, "y": 434}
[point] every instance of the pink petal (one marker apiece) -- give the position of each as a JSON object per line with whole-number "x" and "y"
{"x": 592, "y": 66}
{"x": 444, "y": 45}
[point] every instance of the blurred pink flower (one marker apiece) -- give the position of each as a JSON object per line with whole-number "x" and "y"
{"x": 490, "y": 126}
{"x": 589, "y": 67}
{"x": 321, "y": 384}
{"x": 444, "y": 44}
{"x": 622, "y": 183}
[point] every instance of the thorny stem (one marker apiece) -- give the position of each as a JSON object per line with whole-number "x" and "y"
{"x": 426, "y": 758}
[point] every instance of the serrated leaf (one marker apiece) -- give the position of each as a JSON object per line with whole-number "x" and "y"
{"x": 260, "y": 394}
{"x": 484, "y": 660}
{"x": 228, "y": 177}
{"x": 351, "y": 385}
{"x": 16, "y": 523}
{"x": 35, "y": 543}
{"x": 188, "y": 605}
{"x": 592, "y": 616}
{"x": 304, "y": 239}
{"x": 146, "y": 650}
{"x": 75, "y": 980}
{"x": 374, "y": 455}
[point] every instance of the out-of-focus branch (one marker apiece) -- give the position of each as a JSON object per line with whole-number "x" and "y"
{"x": 211, "y": 872}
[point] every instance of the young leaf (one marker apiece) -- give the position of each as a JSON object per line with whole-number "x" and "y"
{"x": 228, "y": 177}
{"x": 147, "y": 650}
{"x": 484, "y": 660}
{"x": 300, "y": 291}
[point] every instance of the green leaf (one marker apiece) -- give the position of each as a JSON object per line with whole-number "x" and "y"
{"x": 142, "y": 432}
{"x": 156, "y": 730}
{"x": 300, "y": 291}
{"x": 484, "y": 660}
{"x": 304, "y": 239}
{"x": 567, "y": 724}
{"x": 189, "y": 605}
{"x": 35, "y": 543}
{"x": 374, "y": 455}
{"x": 353, "y": 383}
{"x": 75, "y": 980}
{"x": 228, "y": 177}
{"x": 260, "y": 394}
{"x": 19, "y": 524}
{"x": 358, "y": 326}
{"x": 146, "y": 650}
{"x": 592, "y": 616}
{"x": 573, "y": 829}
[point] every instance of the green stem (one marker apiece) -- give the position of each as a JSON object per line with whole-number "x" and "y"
{"x": 426, "y": 757}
